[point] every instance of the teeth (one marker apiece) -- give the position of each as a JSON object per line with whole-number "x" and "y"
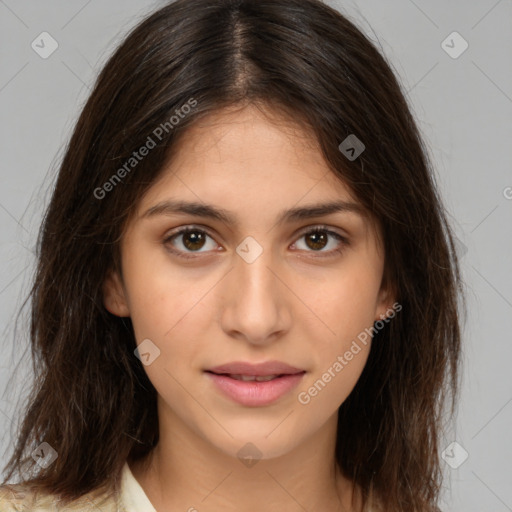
{"x": 248, "y": 378}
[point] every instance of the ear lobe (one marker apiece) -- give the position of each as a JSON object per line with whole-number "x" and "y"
{"x": 114, "y": 297}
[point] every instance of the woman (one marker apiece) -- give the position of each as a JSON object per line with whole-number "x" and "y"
{"x": 246, "y": 283}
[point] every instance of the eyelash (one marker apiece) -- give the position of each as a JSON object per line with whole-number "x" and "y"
{"x": 322, "y": 229}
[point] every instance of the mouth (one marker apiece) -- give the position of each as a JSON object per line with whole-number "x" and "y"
{"x": 270, "y": 369}
{"x": 253, "y": 378}
{"x": 255, "y": 385}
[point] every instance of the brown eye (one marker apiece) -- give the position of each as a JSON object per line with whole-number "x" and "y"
{"x": 193, "y": 240}
{"x": 188, "y": 241}
{"x": 316, "y": 240}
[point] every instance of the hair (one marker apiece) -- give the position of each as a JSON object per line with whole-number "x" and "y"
{"x": 91, "y": 399}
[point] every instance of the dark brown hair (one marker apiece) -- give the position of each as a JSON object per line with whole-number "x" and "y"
{"x": 91, "y": 400}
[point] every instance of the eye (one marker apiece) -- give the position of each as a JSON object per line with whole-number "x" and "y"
{"x": 190, "y": 239}
{"x": 320, "y": 237}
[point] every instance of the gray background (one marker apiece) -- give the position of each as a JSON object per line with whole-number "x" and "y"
{"x": 463, "y": 106}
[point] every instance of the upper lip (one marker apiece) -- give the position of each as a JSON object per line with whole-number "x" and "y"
{"x": 258, "y": 369}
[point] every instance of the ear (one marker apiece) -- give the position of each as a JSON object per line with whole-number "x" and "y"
{"x": 385, "y": 301}
{"x": 114, "y": 295}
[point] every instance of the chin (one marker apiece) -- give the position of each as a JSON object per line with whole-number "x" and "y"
{"x": 257, "y": 444}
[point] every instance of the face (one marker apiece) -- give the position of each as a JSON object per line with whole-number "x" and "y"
{"x": 259, "y": 276}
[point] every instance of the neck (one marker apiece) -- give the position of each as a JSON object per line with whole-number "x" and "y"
{"x": 186, "y": 472}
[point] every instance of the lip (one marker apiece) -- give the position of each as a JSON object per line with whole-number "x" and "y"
{"x": 256, "y": 369}
{"x": 253, "y": 393}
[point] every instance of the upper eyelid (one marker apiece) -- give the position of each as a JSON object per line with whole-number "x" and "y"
{"x": 303, "y": 231}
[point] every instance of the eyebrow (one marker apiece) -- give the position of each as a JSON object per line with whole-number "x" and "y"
{"x": 172, "y": 207}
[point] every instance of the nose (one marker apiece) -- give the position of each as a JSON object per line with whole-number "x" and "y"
{"x": 255, "y": 305}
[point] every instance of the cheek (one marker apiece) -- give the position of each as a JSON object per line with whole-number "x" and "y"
{"x": 343, "y": 307}
{"x": 341, "y": 342}
{"x": 162, "y": 297}
{"x": 337, "y": 370}
{"x": 167, "y": 306}
{"x": 172, "y": 320}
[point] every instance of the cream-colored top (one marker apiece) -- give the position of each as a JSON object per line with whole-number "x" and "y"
{"x": 20, "y": 498}
{"x": 133, "y": 496}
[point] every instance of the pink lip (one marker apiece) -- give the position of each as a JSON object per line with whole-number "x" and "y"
{"x": 259, "y": 369}
{"x": 253, "y": 393}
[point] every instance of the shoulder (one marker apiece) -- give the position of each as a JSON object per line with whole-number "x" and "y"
{"x": 25, "y": 498}
{"x": 16, "y": 498}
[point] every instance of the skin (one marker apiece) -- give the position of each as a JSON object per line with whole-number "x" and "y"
{"x": 294, "y": 303}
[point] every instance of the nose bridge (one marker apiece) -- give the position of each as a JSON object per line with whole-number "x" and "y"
{"x": 256, "y": 283}
{"x": 254, "y": 306}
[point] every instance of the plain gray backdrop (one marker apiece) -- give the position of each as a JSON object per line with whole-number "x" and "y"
{"x": 454, "y": 60}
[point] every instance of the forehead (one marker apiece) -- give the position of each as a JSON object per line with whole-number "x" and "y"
{"x": 249, "y": 152}
{"x": 249, "y": 135}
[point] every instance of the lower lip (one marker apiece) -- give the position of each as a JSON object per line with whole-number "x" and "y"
{"x": 253, "y": 393}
